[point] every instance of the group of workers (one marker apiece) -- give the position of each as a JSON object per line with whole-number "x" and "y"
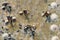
{"x": 28, "y": 29}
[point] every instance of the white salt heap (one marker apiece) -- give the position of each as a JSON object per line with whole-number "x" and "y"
{"x": 5, "y": 35}
{"x": 53, "y": 5}
{"x": 54, "y": 17}
{"x": 55, "y": 38}
{"x": 54, "y": 27}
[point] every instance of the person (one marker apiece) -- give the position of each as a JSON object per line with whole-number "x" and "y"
{"x": 26, "y": 28}
{"x": 47, "y": 14}
{"x": 3, "y": 8}
{"x": 25, "y": 12}
{"x": 7, "y": 7}
{"x": 6, "y": 22}
{"x": 14, "y": 19}
{"x": 30, "y": 30}
{"x": 20, "y": 26}
{"x": 10, "y": 37}
{"x": 20, "y": 12}
{"x": 9, "y": 18}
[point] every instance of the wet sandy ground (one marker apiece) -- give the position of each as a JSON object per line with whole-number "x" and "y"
{"x": 35, "y": 8}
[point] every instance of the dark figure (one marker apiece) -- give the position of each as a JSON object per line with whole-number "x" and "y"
{"x": 20, "y": 26}
{"x": 25, "y": 30}
{"x": 21, "y": 13}
{"x": 9, "y": 35}
{"x": 3, "y": 8}
{"x": 2, "y": 27}
{"x": 6, "y": 23}
{"x": 26, "y": 14}
{"x": 14, "y": 20}
{"x": 28, "y": 27}
{"x": 47, "y": 14}
{"x": 32, "y": 34}
{"x": 10, "y": 20}
{"x": 31, "y": 29}
{"x": 7, "y": 7}
{"x": 18, "y": 30}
